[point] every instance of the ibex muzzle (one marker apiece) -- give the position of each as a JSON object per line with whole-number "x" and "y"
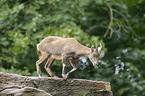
{"x": 67, "y": 49}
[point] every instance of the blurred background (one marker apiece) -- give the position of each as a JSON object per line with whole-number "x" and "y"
{"x": 118, "y": 24}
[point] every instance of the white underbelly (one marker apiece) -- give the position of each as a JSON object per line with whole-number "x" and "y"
{"x": 56, "y": 56}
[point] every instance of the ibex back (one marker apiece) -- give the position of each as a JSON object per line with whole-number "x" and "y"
{"x": 67, "y": 49}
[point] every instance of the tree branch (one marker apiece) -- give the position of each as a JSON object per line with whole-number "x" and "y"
{"x": 119, "y": 23}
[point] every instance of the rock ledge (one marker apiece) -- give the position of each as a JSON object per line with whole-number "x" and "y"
{"x": 17, "y": 85}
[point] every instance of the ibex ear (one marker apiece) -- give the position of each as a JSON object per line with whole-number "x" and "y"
{"x": 99, "y": 49}
{"x": 92, "y": 48}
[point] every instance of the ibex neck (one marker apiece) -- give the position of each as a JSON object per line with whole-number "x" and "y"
{"x": 88, "y": 52}
{"x": 85, "y": 52}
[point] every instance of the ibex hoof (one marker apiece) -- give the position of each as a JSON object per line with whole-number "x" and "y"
{"x": 40, "y": 75}
{"x": 55, "y": 76}
{"x": 64, "y": 76}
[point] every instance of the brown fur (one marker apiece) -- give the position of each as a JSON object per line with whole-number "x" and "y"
{"x": 54, "y": 47}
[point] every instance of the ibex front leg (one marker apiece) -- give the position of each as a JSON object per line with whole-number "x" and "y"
{"x": 47, "y": 65}
{"x": 64, "y": 61}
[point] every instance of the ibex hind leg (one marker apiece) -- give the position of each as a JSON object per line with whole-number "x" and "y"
{"x": 39, "y": 62}
{"x": 47, "y": 67}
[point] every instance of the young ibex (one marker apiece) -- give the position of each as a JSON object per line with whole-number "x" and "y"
{"x": 67, "y": 49}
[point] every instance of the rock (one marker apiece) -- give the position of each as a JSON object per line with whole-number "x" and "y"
{"x": 17, "y": 85}
{"x": 26, "y": 91}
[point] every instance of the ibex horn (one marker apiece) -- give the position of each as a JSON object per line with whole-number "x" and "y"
{"x": 99, "y": 49}
{"x": 96, "y": 46}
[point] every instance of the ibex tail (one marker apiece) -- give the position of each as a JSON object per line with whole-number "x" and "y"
{"x": 38, "y": 51}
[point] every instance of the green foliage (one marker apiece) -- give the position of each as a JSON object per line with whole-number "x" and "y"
{"x": 118, "y": 25}
{"x": 16, "y": 71}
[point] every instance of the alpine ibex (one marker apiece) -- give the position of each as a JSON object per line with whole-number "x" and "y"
{"x": 67, "y": 49}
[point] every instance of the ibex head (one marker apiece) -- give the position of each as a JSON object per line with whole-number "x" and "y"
{"x": 94, "y": 54}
